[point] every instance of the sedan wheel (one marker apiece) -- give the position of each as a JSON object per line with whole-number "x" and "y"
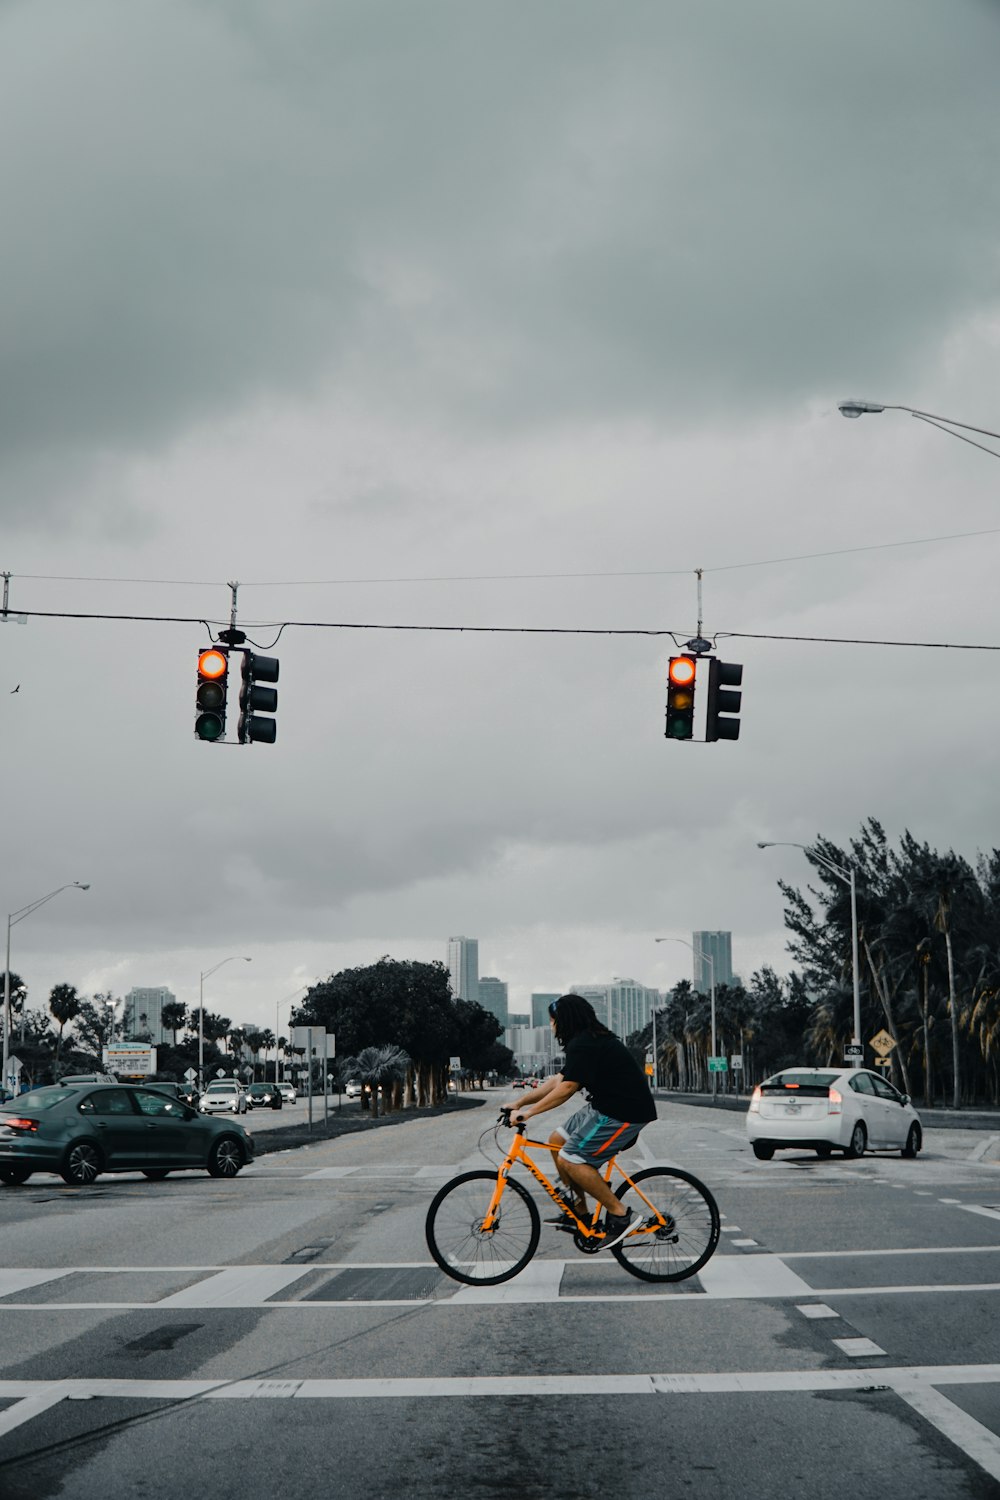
{"x": 859, "y": 1140}
{"x": 913, "y": 1142}
{"x": 225, "y": 1157}
{"x": 762, "y": 1151}
{"x": 14, "y": 1176}
{"x": 81, "y": 1164}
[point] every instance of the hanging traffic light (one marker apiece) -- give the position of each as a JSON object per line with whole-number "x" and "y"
{"x": 681, "y": 673}
{"x": 723, "y": 704}
{"x": 210, "y": 698}
{"x": 256, "y": 702}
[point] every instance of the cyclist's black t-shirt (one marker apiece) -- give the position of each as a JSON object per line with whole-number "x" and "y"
{"x": 605, "y": 1068}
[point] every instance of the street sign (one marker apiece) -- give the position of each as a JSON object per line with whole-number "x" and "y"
{"x": 853, "y": 1049}
{"x": 883, "y": 1062}
{"x": 454, "y": 1062}
{"x": 220, "y": 1072}
{"x": 718, "y": 1065}
{"x": 882, "y": 1043}
{"x": 191, "y": 1075}
{"x": 736, "y": 1063}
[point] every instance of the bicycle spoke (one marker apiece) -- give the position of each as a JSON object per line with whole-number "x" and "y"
{"x": 679, "y": 1227}
{"x": 460, "y": 1243}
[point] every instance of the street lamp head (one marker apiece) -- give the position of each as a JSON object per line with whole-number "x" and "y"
{"x": 81, "y": 886}
{"x": 858, "y": 408}
{"x": 766, "y": 845}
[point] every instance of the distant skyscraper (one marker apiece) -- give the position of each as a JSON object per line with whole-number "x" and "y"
{"x": 143, "y": 1014}
{"x": 463, "y": 966}
{"x": 540, "y": 1008}
{"x": 623, "y": 1006}
{"x": 719, "y": 948}
{"x": 493, "y": 997}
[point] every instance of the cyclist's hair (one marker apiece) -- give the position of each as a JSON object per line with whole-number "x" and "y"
{"x": 574, "y": 1016}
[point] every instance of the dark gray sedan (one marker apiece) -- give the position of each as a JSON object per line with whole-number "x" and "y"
{"x": 80, "y": 1130}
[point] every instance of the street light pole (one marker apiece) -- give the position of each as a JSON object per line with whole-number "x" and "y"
{"x": 12, "y": 920}
{"x": 848, "y": 876}
{"x": 277, "y": 1023}
{"x": 201, "y": 1013}
{"x": 943, "y": 424}
{"x": 706, "y": 958}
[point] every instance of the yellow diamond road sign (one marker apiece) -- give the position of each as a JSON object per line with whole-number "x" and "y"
{"x": 882, "y": 1042}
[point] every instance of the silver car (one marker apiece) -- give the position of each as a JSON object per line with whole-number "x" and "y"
{"x": 831, "y": 1109}
{"x": 225, "y": 1093}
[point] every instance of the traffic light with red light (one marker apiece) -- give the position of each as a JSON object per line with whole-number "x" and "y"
{"x": 210, "y": 697}
{"x": 257, "y": 703}
{"x": 721, "y": 722}
{"x": 681, "y": 674}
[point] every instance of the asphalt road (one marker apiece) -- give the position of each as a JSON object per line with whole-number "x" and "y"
{"x": 287, "y": 1333}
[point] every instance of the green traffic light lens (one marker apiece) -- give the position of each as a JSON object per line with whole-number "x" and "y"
{"x": 680, "y": 729}
{"x": 209, "y": 726}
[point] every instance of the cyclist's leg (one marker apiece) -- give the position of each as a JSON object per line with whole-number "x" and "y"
{"x": 593, "y": 1139}
{"x": 556, "y": 1142}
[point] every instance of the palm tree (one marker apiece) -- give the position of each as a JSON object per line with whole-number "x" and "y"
{"x": 173, "y": 1017}
{"x": 378, "y": 1065}
{"x": 64, "y": 1003}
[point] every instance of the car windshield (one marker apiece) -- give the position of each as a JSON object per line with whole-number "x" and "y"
{"x": 221, "y": 1088}
{"x": 40, "y": 1099}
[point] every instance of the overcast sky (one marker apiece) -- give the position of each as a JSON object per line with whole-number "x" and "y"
{"x": 462, "y": 314}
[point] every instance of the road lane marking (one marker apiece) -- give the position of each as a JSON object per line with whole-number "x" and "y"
{"x": 909, "y": 1380}
{"x": 858, "y": 1348}
{"x": 968, "y": 1435}
{"x": 13, "y": 1281}
{"x": 28, "y": 1408}
{"x": 816, "y": 1310}
{"x": 976, "y": 1208}
{"x": 241, "y": 1286}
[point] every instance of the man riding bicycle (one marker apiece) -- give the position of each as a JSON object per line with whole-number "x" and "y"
{"x": 620, "y": 1104}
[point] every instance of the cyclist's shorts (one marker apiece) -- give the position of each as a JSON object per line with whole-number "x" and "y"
{"x": 591, "y": 1138}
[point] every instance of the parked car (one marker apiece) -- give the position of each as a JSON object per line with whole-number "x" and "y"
{"x": 89, "y": 1078}
{"x": 81, "y": 1130}
{"x": 288, "y": 1092}
{"x": 352, "y": 1088}
{"x": 224, "y": 1093}
{"x": 268, "y": 1094}
{"x": 827, "y": 1109}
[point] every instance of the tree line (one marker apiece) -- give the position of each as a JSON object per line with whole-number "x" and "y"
{"x": 396, "y": 1024}
{"x": 929, "y": 974}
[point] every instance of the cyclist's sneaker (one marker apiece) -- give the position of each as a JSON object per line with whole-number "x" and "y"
{"x": 615, "y": 1229}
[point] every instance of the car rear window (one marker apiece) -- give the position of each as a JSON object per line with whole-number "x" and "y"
{"x": 802, "y": 1083}
{"x": 41, "y": 1099}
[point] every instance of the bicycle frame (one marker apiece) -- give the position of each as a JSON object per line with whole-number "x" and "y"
{"x": 517, "y": 1152}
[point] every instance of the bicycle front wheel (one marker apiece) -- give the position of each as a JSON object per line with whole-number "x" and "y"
{"x": 463, "y": 1248}
{"x": 679, "y": 1227}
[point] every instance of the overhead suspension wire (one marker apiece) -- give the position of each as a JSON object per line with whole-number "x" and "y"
{"x": 581, "y": 630}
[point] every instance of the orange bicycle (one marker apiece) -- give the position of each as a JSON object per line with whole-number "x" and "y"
{"x": 483, "y": 1227}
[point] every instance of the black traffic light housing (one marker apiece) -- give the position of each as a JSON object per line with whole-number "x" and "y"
{"x": 721, "y": 722}
{"x": 681, "y": 674}
{"x": 257, "y": 702}
{"x": 211, "y": 694}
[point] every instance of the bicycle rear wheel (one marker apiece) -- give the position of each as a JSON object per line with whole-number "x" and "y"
{"x": 679, "y": 1229}
{"x": 463, "y": 1248}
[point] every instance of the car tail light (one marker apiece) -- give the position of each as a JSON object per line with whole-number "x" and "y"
{"x": 15, "y": 1122}
{"x": 834, "y": 1105}
{"x": 755, "y": 1101}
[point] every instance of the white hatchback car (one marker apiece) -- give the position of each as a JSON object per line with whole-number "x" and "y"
{"x": 828, "y": 1109}
{"x": 224, "y": 1094}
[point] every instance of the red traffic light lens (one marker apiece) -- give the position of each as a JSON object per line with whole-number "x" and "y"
{"x": 682, "y": 671}
{"x": 212, "y": 664}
